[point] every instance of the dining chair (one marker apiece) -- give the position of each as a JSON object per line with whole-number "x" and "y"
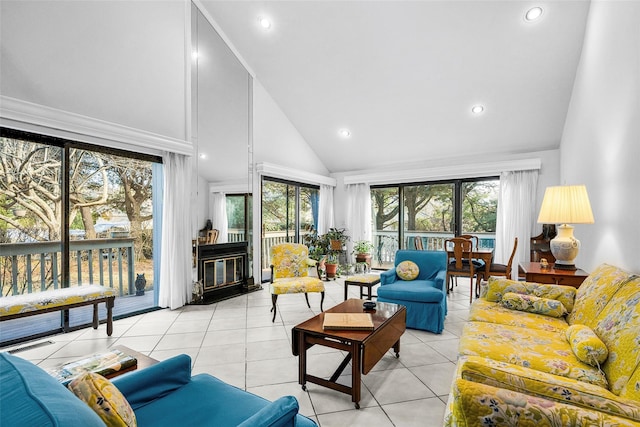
{"x": 496, "y": 269}
{"x": 478, "y": 264}
{"x": 290, "y": 265}
{"x": 212, "y": 236}
{"x": 418, "y": 243}
{"x": 461, "y": 265}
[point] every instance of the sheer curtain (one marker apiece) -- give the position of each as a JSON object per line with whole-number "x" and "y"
{"x": 175, "y": 259}
{"x": 326, "y": 217}
{"x": 359, "y": 212}
{"x": 219, "y": 216}
{"x": 516, "y": 214}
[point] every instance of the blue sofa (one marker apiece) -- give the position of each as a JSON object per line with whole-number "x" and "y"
{"x": 425, "y": 296}
{"x": 164, "y": 394}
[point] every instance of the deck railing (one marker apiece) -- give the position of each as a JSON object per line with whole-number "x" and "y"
{"x": 34, "y": 267}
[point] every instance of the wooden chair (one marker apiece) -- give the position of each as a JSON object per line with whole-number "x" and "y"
{"x": 478, "y": 264}
{"x": 461, "y": 265}
{"x": 496, "y": 269}
{"x": 290, "y": 265}
{"x": 418, "y": 243}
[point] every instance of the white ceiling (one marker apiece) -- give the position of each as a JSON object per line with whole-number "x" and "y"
{"x": 402, "y": 76}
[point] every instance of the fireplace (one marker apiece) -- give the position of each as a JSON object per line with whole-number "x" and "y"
{"x": 223, "y": 270}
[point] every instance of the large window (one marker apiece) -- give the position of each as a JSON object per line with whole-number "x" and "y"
{"x": 289, "y": 212}
{"x": 425, "y": 214}
{"x": 71, "y": 215}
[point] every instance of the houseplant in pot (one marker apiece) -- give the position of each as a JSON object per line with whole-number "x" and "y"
{"x": 337, "y": 238}
{"x": 362, "y": 250}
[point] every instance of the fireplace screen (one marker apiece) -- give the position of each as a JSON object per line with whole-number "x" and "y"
{"x": 223, "y": 271}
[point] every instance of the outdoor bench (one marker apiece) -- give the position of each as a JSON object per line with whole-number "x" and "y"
{"x": 17, "y": 306}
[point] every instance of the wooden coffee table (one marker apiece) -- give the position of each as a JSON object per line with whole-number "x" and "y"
{"x": 144, "y": 361}
{"x": 364, "y": 348}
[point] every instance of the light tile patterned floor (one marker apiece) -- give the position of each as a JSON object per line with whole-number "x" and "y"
{"x": 236, "y": 341}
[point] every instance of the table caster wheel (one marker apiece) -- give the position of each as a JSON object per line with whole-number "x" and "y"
{"x": 304, "y": 388}
{"x": 357, "y": 406}
{"x": 397, "y": 355}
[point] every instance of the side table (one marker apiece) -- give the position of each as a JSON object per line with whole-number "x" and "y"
{"x": 534, "y": 273}
{"x": 364, "y": 281}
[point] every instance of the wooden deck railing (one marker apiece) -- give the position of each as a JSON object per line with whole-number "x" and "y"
{"x": 34, "y": 267}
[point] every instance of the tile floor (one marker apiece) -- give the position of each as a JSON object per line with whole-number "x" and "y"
{"x": 235, "y": 341}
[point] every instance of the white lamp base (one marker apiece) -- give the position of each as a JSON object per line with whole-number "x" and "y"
{"x": 565, "y": 248}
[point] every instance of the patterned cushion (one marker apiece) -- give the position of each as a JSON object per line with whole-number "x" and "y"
{"x": 296, "y": 285}
{"x": 407, "y": 270}
{"x": 618, "y": 326}
{"x": 532, "y": 382}
{"x": 538, "y": 349}
{"x": 595, "y": 292}
{"x": 586, "y": 345}
{"x": 104, "y": 398}
{"x": 54, "y": 298}
{"x": 533, "y": 304}
{"x": 290, "y": 260}
{"x": 498, "y": 286}
{"x": 494, "y": 312}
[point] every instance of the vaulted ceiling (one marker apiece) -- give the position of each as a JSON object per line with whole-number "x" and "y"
{"x": 403, "y": 76}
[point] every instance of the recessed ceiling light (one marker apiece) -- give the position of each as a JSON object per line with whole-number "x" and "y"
{"x": 533, "y": 14}
{"x": 202, "y": 155}
{"x": 264, "y": 22}
{"x": 477, "y": 109}
{"x": 345, "y": 133}
{"x": 194, "y": 55}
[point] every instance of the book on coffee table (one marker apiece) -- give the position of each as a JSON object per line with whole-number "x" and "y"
{"x": 105, "y": 364}
{"x": 348, "y": 321}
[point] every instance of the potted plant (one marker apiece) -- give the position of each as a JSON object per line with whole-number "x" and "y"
{"x": 362, "y": 250}
{"x": 331, "y": 264}
{"x": 337, "y": 238}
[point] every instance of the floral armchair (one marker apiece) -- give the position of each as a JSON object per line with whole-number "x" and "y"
{"x": 290, "y": 265}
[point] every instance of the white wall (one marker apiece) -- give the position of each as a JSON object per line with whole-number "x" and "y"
{"x": 601, "y": 141}
{"x": 276, "y": 140}
{"x": 121, "y": 62}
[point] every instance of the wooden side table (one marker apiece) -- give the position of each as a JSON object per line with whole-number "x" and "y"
{"x": 364, "y": 281}
{"x": 534, "y": 273}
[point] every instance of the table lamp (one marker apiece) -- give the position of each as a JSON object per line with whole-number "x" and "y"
{"x": 563, "y": 205}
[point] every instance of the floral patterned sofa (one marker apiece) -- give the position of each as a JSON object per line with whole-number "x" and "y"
{"x": 548, "y": 355}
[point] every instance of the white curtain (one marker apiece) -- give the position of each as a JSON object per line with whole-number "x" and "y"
{"x": 325, "y": 209}
{"x": 219, "y": 216}
{"x": 175, "y": 259}
{"x": 516, "y": 216}
{"x": 358, "y": 220}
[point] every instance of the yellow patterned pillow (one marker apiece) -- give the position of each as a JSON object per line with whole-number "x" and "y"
{"x": 533, "y": 304}
{"x": 586, "y": 345}
{"x": 407, "y": 270}
{"x": 104, "y": 398}
{"x": 497, "y": 287}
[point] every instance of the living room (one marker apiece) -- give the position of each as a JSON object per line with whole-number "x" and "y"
{"x": 71, "y": 70}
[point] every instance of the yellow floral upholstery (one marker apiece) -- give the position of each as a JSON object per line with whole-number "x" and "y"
{"x": 498, "y": 286}
{"x": 548, "y": 386}
{"x": 407, "y": 270}
{"x": 618, "y": 326}
{"x": 296, "y": 285}
{"x": 532, "y": 348}
{"x": 586, "y": 345}
{"x": 486, "y": 311}
{"x": 476, "y": 404}
{"x": 595, "y": 293}
{"x": 55, "y": 298}
{"x": 518, "y": 368}
{"x": 290, "y": 265}
{"x": 533, "y": 304}
{"x": 104, "y": 398}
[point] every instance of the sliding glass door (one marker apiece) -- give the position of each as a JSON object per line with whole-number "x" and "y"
{"x": 289, "y": 212}
{"x": 72, "y": 215}
{"x": 424, "y": 215}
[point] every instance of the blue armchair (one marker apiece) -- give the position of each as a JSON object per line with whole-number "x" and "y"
{"x": 165, "y": 394}
{"x": 425, "y": 296}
